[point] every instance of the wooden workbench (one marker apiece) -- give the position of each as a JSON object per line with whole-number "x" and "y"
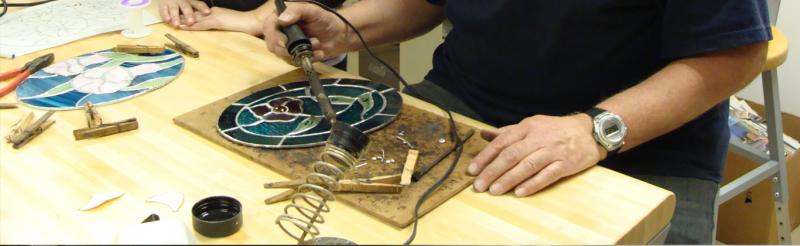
{"x": 43, "y": 184}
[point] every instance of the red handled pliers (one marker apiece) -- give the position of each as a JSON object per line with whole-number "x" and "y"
{"x": 23, "y": 72}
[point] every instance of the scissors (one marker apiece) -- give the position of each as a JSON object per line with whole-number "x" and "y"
{"x": 23, "y": 72}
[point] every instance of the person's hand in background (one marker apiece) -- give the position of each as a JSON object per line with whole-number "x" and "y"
{"x": 172, "y": 10}
{"x": 226, "y": 19}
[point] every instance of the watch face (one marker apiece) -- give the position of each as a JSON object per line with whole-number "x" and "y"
{"x": 610, "y": 130}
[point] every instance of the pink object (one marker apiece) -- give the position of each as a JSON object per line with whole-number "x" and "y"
{"x": 74, "y": 66}
{"x": 134, "y": 3}
{"x": 104, "y": 80}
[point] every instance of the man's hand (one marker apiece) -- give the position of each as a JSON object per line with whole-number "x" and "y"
{"x": 329, "y": 35}
{"x": 535, "y": 153}
{"x": 171, "y": 11}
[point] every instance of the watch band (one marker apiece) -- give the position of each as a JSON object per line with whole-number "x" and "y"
{"x": 594, "y": 112}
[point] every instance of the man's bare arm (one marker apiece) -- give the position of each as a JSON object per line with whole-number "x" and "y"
{"x": 683, "y": 90}
{"x": 381, "y": 21}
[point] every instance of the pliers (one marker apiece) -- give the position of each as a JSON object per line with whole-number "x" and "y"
{"x": 22, "y": 73}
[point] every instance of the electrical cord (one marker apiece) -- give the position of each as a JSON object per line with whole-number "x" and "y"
{"x": 453, "y": 128}
{"x": 6, "y": 5}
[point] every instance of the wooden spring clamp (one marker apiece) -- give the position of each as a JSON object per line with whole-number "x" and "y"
{"x": 98, "y": 129}
{"x": 379, "y": 184}
{"x": 24, "y": 131}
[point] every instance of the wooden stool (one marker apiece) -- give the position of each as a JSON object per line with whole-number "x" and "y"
{"x": 774, "y": 165}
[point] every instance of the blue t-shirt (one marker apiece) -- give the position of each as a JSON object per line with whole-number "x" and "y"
{"x": 512, "y": 59}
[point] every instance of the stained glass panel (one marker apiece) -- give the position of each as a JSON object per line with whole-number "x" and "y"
{"x": 288, "y": 116}
{"x": 101, "y": 77}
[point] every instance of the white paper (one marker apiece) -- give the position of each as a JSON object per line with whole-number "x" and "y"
{"x": 99, "y": 199}
{"x": 173, "y": 200}
{"x": 60, "y": 22}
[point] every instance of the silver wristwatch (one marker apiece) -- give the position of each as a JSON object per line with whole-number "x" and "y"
{"x": 609, "y": 130}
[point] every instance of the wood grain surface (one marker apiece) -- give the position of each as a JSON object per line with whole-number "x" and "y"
{"x": 43, "y": 184}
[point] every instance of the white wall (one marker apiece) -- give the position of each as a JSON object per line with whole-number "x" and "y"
{"x": 416, "y": 55}
{"x": 789, "y": 72}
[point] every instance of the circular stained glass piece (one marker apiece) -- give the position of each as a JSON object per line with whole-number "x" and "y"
{"x": 288, "y": 116}
{"x": 102, "y": 77}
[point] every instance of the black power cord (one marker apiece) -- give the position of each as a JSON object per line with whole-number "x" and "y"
{"x": 453, "y": 128}
{"x": 6, "y": 5}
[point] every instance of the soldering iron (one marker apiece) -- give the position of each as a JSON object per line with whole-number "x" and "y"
{"x": 343, "y": 136}
{"x": 299, "y": 47}
{"x": 345, "y": 141}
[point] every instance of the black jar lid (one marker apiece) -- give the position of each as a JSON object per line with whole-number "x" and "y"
{"x": 217, "y": 216}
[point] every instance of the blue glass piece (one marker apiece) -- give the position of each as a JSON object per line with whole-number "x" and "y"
{"x": 48, "y": 102}
{"x": 145, "y": 77}
{"x": 382, "y": 106}
{"x": 246, "y": 118}
{"x": 45, "y": 84}
{"x": 311, "y": 107}
{"x": 241, "y": 135}
{"x": 227, "y": 119}
{"x": 352, "y": 115}
{"x": 303, "y": 141}
{"x": 392, "y": 108}
{"x": 101, "y": 98}
{"x": 274, "y": 129}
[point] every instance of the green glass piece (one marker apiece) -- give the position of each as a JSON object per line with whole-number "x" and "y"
{"x": 306, "y": 124}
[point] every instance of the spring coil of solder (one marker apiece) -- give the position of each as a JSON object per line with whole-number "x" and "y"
{"x": 316, "y": 193}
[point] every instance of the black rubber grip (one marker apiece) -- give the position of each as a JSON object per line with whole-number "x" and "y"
{"x": 294, "y": 34}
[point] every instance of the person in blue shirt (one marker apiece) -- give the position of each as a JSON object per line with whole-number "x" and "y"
{"x": 638, "y": 86}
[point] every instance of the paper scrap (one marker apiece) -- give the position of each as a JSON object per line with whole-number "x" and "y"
{"x": 100, "y": 198}
{"x": 173, "y": 200}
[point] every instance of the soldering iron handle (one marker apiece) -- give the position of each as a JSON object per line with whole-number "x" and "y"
{"x": 294, "y": 35}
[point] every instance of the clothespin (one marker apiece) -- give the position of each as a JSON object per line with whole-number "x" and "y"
{"x": 408, "y": 167}
{"x": 181, "y": 46}
{"x": 138, "y": 49}
{"x": 98, "y": 129}
{"x": 378, "y": 184}
{"x": 23, "y": 131}
{"x": 8, "y": 105}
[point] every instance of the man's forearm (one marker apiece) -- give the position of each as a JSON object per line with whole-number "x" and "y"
{"x": 381, "y": 21}
{"x": 683, "y": 90}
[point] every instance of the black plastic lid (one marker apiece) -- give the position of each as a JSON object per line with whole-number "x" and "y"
{"x": 217, "y": 216}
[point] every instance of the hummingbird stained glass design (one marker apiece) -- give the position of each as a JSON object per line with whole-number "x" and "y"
{"x": 288, "y": 116}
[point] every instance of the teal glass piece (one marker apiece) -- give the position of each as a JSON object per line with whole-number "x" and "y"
{"x": 288, "y": 116}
